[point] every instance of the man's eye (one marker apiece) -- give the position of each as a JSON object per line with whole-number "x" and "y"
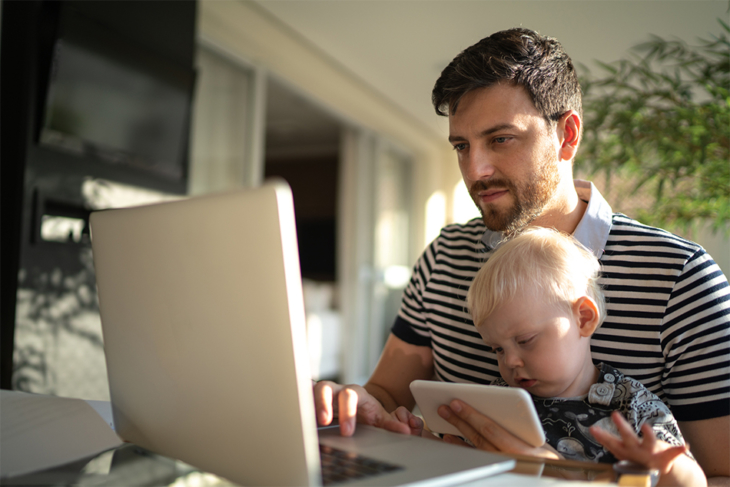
{"x": 501, "y": 140}
{"x": 459, "y": 147}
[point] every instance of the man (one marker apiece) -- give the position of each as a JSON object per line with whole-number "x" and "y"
{"x": 515, "y": 115}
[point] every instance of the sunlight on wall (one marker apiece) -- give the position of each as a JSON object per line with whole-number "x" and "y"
{"x": 396, "y": 276}
{"x": 464, "y": 208}
{"x": 101, "y": 194}
{"x": 58, "y": 342}
{"x": 323, "y": 329}
{"x": 435, "y": 215}
{"x": 58, "y": 338}
{"x": 391, "y": 237}
{"x": 61, "y": 229}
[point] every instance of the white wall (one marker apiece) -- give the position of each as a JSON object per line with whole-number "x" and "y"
{"x": 245, "y": 30}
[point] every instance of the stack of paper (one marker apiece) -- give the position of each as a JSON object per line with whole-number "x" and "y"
{"x": 39, "y": 432}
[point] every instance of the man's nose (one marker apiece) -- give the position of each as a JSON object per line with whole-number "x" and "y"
{"x": 477, "y": 165}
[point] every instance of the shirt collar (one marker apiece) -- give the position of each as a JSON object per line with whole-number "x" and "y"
{"x": 592, "y": 230}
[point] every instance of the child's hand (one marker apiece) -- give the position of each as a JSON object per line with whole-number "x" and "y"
{"x": 647, "y": 451}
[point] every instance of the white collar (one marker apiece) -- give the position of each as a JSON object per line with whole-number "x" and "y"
{"x": 593, "y": 228}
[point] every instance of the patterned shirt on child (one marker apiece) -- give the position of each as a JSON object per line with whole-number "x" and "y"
{"x": 566, "y": 420}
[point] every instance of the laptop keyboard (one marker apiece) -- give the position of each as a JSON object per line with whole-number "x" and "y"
{"x": 339, "y": 466}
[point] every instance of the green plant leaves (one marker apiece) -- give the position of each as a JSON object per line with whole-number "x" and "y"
{"x": 662, "y": 119}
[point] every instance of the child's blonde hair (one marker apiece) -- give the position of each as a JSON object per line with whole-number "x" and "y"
{"x": 554, "y": 264}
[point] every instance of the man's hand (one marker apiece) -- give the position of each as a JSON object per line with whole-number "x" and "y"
{"x": 387, "y": 390}
{"x": 352, "y": 404}
{"x": 487, "y": 435}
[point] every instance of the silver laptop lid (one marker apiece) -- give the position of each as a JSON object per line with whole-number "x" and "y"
{"x": 201, "y": 305}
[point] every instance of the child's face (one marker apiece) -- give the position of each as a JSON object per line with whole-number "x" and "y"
{"x": 542, "y": 348}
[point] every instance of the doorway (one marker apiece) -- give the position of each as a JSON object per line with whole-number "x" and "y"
{"x": 302, "y": 146}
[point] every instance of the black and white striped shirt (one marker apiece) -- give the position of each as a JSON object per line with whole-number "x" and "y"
{"x": 668, "y": 309}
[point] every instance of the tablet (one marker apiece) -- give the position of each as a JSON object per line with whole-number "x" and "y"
{"x": 510, "y": 407}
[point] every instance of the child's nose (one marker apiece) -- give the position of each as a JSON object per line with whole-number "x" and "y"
{"x": 513, "y": 360}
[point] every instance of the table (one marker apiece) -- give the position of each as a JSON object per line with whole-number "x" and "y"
{"x": 130, "y": 465}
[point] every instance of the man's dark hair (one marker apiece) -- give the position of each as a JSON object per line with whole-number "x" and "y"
{"x": 517, "y": 56}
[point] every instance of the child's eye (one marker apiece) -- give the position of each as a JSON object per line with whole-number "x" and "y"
{"x": 524, "y": 341}
{"x": 497, "y": 350}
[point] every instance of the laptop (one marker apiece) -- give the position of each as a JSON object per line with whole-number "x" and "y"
{"x": 204, "y": 334}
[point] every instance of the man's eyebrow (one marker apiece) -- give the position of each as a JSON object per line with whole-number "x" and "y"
{"x": 456, "y": 138}
{"x": 484, "y": 133}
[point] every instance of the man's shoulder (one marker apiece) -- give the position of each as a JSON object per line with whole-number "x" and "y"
{"x": 628, "y": 234}
{"x": 458, "y": 234}
{"x": 458, "y": 246}
{"x": 474, "y": 228}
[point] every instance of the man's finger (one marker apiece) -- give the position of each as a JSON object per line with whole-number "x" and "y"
{"x": 459, "y": 417}
{"x": 488, "y": 435}
{"x": 347, "y": 399}
{"x": 396, "y": 427}
{"x": 406, "y": 422}
{"x": 402, "y": 415}
{"x": 323, "y": 403}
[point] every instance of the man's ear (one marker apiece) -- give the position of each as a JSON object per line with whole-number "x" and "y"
{"x": 586, "y": 315}
{"x": 569, "y": 134}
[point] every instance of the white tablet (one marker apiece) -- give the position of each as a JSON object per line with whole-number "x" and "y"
{"x": 510, "y": 407}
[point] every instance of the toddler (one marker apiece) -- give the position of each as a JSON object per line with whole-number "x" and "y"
{"x": 536, "y": 303}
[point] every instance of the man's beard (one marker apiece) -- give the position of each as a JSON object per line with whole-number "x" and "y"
{"x": 530, "y": 199}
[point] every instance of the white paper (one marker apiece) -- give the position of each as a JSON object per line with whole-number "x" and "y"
{"x": 39, "y": 432}
{"x": 104, "y": 408}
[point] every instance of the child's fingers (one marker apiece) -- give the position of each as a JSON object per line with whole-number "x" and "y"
{"x": 602, "y": 435}
{"x": 628, "y": 436}
{"x": 611, "y": 442}
{"x": 646, "y": 450}
{"x": 648, "y": 437}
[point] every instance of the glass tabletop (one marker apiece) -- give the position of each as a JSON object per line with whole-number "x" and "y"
{"x": 130, "y": 465}
{"x": 565, "y": 469}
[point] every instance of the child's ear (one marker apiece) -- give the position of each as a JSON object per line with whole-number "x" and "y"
{"x": 586, "y": 314}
